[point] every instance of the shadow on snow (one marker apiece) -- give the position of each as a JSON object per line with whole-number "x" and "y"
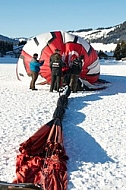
{"x": 81, "y": 146}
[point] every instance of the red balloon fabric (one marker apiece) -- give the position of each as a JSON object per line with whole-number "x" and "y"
{"x": 43, "y": 158}
{"x": 70, "y": 46}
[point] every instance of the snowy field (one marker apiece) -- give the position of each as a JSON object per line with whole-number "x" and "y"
{"x": 94, "y": 127}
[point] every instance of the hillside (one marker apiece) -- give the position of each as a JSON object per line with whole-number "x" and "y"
{"x": 112, "y": 34}
{"x": 103, "y": 35}
{"x": 15, "y": 41}
{"x": 104, "y": 39}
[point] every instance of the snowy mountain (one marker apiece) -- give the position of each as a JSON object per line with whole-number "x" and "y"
{"x": 103, "y": 35}
{"x": 104, "y": 39}
{"x": 7, "y": 39}
{"x": 15, "y": 41}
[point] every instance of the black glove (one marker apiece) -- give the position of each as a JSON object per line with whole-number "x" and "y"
{"x": 42, "y": 62}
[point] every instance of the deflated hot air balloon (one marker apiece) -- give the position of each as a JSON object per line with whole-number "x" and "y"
{"x": 70, "y": 46}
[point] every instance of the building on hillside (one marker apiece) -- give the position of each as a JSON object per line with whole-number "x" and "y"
{"x": 106, "y": 55}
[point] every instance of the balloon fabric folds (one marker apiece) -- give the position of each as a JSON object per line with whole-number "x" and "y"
{"x": 42, "y": 159}
{"x": 71, "y": 46}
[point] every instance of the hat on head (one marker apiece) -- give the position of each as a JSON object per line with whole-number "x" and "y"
{"x": 57, "y": 49}
{"x": 35, "y": 54}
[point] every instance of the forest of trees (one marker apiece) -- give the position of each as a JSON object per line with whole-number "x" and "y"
{"x": 120, "y": 50}
{"x": 8, "y": 46}
{"x": 119, "y": 53}
{"x": 4, "y": 47}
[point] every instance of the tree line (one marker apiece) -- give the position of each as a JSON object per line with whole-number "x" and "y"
{"x": 119, "y": 53}
{"x": 8, "y": 46}
{"x": 120, "y": 50}
{"x": 4, "y": 47}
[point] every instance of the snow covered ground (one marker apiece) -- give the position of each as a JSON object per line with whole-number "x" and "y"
{"x": 94, "y": 127}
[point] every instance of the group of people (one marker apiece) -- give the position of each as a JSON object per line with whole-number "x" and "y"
{"x": 58, "y": 77}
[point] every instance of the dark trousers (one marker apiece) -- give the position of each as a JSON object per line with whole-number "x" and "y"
{"x": 55, "y": 83}
{"x": 74, "y": 82}
{"x": 34, "y": 76}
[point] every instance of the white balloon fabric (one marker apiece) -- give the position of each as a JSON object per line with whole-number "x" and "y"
{"x": 71, "y": 46}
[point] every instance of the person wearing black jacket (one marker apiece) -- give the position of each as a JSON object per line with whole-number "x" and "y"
{"x": 76, "y": 68}
{"x": 56, "y": 65}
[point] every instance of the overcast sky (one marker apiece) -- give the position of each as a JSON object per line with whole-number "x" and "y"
{"x": 32, "y": 17}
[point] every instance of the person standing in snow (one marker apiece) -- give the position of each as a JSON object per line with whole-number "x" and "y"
{"x": 34, "y": 69}
{"x": 56, "y": 65}
{"x": 76, "y": 68}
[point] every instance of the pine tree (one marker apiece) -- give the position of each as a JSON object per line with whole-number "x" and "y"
{"x": 117, "y": 52}
{"x": 123, "y": 49}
